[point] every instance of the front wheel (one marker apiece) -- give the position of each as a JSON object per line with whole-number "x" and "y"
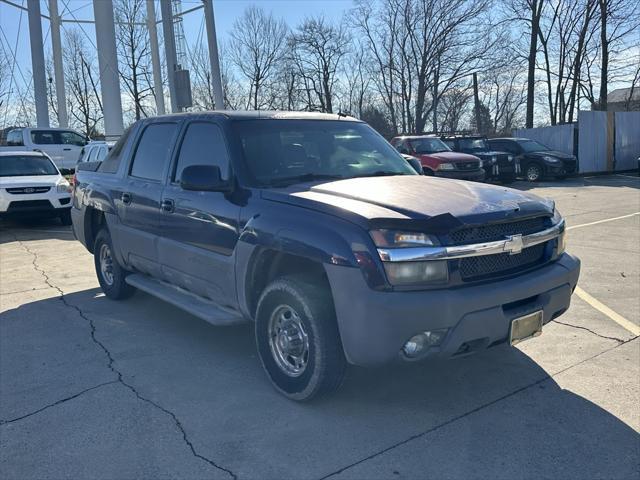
{"x": 111, "y": 275}
{"x": 533, "y": 172}
{"x": 298, "y": 340}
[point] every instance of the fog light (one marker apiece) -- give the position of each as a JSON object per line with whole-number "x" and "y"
{"x": 420, "y": 343}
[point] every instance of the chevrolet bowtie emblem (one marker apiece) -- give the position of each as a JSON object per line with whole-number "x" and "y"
{"x": 514, "y": 244}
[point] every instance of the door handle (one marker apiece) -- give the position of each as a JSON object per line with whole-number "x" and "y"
{"x": 167, "y": 205}
{"x": 66, "y": 149}
{"x": 126, "y": 198}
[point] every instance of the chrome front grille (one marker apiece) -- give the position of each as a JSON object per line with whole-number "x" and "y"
{"x": 498, "y": 231}
{"x": 467, "y": 165}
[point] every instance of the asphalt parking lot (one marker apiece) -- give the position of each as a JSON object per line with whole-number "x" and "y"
{"x": 138, "y": 389}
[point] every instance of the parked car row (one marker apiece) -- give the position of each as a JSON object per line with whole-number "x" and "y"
{"x": 474, "y": 157}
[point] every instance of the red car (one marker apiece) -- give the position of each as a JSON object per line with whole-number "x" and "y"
{"x": 438, "y": 159}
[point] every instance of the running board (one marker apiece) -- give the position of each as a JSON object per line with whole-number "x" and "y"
{"x": 194, "y": 304}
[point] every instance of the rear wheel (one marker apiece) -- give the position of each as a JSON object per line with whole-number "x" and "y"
{"x": 111, "y": 275}
{"x": 533, "y": 172}
{"x": 298, "y": 340}
{"x": 65, "y": 217}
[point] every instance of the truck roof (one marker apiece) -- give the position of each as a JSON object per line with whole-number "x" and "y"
{"x": 261, "y": 114}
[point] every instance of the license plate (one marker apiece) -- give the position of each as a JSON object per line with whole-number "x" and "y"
{"x": 526, "y": 327}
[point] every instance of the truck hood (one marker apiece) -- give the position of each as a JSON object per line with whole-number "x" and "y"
{"x": 30, "y": 181}
{"x": 428, "y": 203}
{"x": 448, "y": 156}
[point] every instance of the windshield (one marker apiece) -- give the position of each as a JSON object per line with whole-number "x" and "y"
{"x": 428, "y": 145}
{"x": 25, "y": 165}
{"x": 474, "y": 144}
{"x": 280, "y": 152}
{"x": 533, "y": 146}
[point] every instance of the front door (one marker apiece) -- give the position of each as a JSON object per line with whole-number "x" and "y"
{"x": 200, "y": 229}
{"x": 139, "y": 201}
{"x": 71, "y": 144}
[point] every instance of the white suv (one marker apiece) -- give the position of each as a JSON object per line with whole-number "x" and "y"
{"x": 30, "y": 184}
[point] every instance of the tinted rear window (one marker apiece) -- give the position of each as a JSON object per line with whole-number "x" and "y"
{"x": 25, "y": 165}
{"x": 153, "y": 151}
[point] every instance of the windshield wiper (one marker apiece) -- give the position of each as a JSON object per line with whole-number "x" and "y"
{"x": 307, "y": 177}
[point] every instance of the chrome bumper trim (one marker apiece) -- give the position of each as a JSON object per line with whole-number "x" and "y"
{"x": 512, "y": 245}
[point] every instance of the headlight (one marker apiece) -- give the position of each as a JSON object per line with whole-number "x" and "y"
{"x": 410, "y": 273}
{"x": 416, "y": 273}
{"x": 562, "y": 239}
{"x": 63, "y": 187}
{"x": 400, "y": 239}
{"x": 446, "y": 166}
{"x": 551, "y": 159}
{"x": 509, "y": 158}
{"x": 494, "y": 158}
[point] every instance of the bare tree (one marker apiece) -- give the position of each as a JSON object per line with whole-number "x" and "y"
{"x": 132, "y": 39}
{"x": 83, "y": 96}
{"x": 317, "y": 50}
{"x": 453, "y": 107}
{"x": 618, "y": 19}
{"x": 5, "y": 80}
{"x": 257, "y": 46}
{"x": 201, "y": 80}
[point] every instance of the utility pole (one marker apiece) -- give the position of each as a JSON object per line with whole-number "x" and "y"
{"x": 155, "y": 57}
{"x": 37, "y": 63}
{"x": 216, "y": 79}
{"x": 108, "y": 63}
{"x": 476, "y": 101}
{"x": 58, "y": 71}
{"x": 169, "y": 49}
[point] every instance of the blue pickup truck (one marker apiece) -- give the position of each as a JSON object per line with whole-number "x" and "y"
{"x": 315, "y": 229}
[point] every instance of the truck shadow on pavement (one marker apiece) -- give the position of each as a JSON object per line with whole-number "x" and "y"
{"x": 36, "y": 228}
{"x": 497, "y": 414}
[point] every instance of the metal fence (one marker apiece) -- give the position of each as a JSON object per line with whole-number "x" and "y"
{"x": 602, "y": 141}
{"x": 562, "y": 138}
{"x": 627, "y": 144}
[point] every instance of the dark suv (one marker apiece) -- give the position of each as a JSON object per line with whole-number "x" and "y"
{"x": 537, "y": 160}
{"x": 498, "y": 165}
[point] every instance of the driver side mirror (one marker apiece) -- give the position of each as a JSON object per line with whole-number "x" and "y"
{"x": 204, "y": 178}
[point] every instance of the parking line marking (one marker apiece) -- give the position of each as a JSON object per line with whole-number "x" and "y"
{"x": 602, "y": 308}
{"x": 603, "y": 221}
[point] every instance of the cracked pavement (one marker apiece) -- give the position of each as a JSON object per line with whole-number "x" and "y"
{"x": 138, "y": 389}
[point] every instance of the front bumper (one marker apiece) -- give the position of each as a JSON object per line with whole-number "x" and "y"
{"x": 34, "y": 204}
{"x": 561, "y": 169}
{"x": 374, "y": 325}
{"x": 473, "y": 175}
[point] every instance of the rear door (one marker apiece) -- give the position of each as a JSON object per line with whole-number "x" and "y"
{"x": 139, "y": 201}
{"x": 200, "y": 229}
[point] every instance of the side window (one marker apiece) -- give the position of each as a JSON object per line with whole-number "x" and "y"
{"x": 203, "y": 144}
{"x": 450, "y": 143}
{"x": 153, "y": 151}
{"x": 44, "y": 137}
{"x": 89, "y": 156}
{"x": 14, "y": 138}
{"x": 72, "y": 138}
{"x": 510, "y": 147}
{"x": 102, "y": 152}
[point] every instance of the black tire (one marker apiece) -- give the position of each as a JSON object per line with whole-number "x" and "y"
{"x": 313, "y": 308}
{"x": 113, "y": 285}
{"x": 533, "y": 172}
{"x": 427, "y": 171}
{"x": 65, "y": 217}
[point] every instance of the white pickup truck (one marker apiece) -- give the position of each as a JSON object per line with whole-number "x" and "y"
{"x": 64, "y": 146}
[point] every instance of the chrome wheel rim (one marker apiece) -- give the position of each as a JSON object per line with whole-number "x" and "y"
{"x": 533, "y": 173}
{"x": 106, "y": 264}
{"x": 288, "y": 341}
